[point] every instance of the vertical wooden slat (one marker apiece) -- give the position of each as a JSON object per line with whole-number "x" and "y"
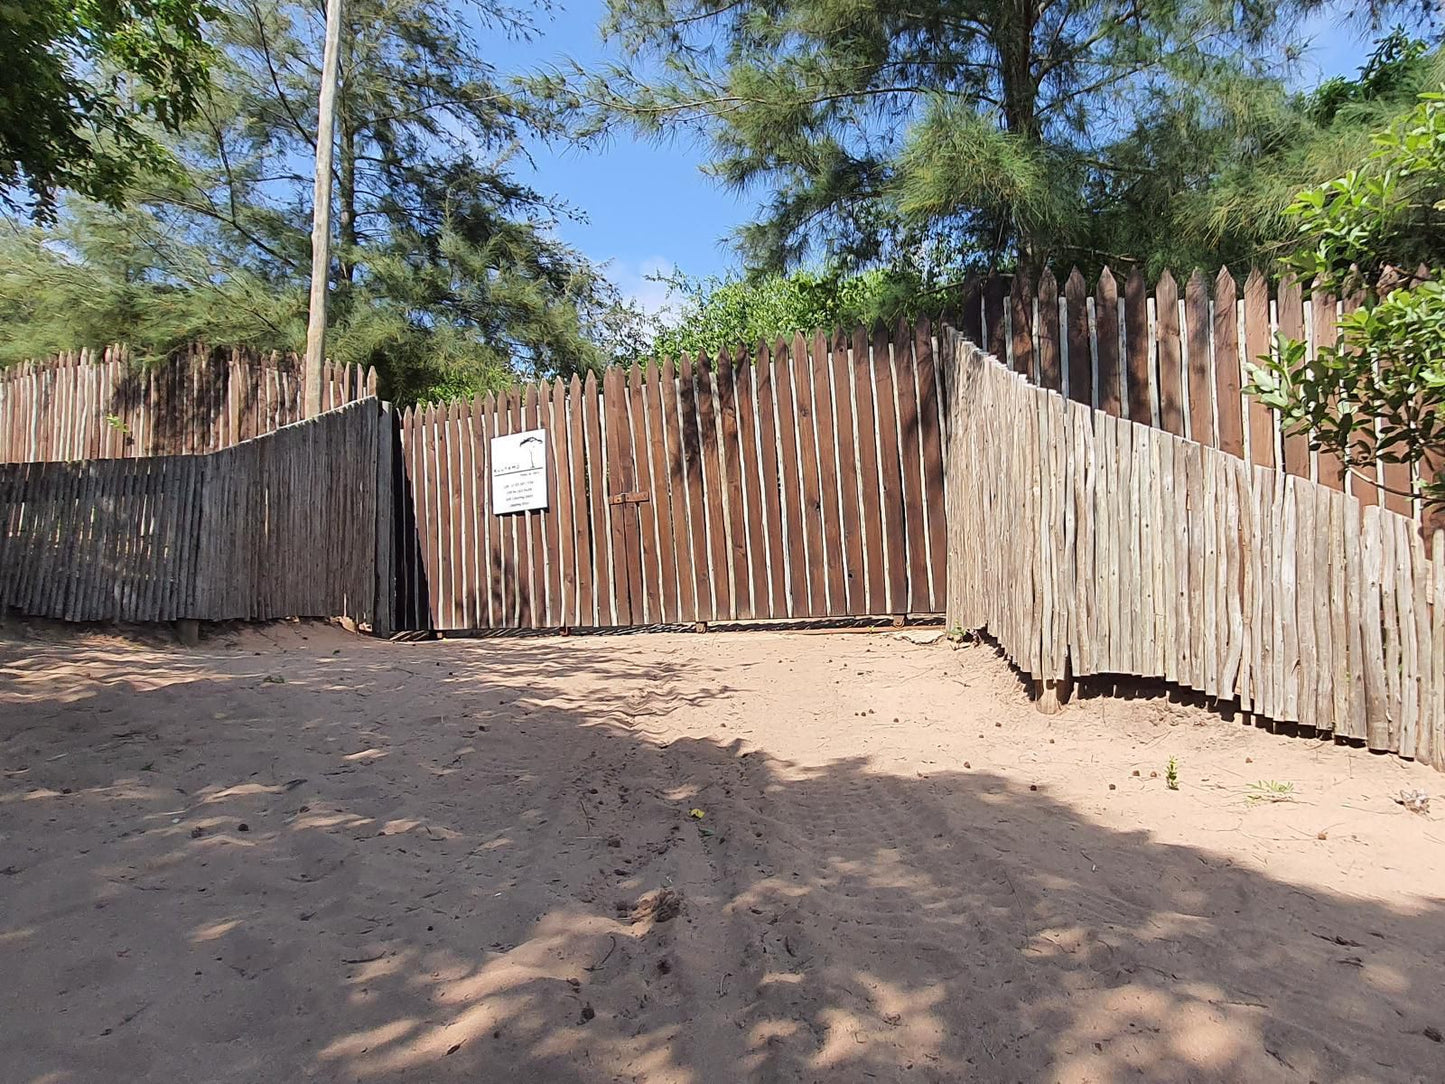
{"x": 753, "y": 521}
{"x": 603, "y": 580}
{"x": 1291, "y": 319}
{"x": 501, "y": 577}
{"x": 799, "y": 597}
{"x": 662, "y": 489}
{"x": 1021, "y": 316}
{"x": 911, "y": 461}
{"x": 1256, "y": 345}
{"x": 696, "y": 501}
{"x": 1106, "y": 335}
{"x": 539, "y": 558}
{"x": 1226, "y": 362}
{"x": 520, "y": 552}
{"x": 488, "y": 574}
{"x": 772, "y": 506}
{"x": 715, "y": 499}
{"x": 626, "y": 540}
{"x": 994, "y": 295}
{"x": 443, "y": 489}
{"x": 1201, "y": 364}
{"x": 561, "y": 492}
{"x": 895, "y": 539}
{"x": 649, "y": 567}
{"x": 729, "y": 456}
{"x": 861, "y": 377}
{"x": 1081, "y": 361}
{"x": 459, "y": 490}
{"x": 1331, "y": 468}
{"x": 1171, "y": 374}
{"x": 1136, "y": 347}
{"x": 829, "y": 489}
{"x": 815, "y": 572}
{"x": 677, "y": 480}
{"x": 933, "y": 481}
{"x": 1050, "y": 375}
{"x": 578, "y": 483}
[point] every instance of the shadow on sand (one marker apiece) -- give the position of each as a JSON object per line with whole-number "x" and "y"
{"x": 472, "y": 893}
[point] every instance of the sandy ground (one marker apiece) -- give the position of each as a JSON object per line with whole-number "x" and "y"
{"x": 293, "y": 855}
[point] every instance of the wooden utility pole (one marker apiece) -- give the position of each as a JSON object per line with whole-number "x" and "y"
{"x": 321, "y": 211}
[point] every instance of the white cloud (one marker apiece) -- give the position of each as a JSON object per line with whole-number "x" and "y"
{"x": 637, "y": 281}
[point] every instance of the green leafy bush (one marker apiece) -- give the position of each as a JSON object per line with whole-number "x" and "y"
{"x": 1378, "y": 390}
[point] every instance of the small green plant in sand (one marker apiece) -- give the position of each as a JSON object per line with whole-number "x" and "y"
{"x": 1171, "y": 774}
{"x": 1270, "y": 790}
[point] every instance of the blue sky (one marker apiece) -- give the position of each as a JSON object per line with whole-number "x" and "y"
{"x": 649, "y": 207}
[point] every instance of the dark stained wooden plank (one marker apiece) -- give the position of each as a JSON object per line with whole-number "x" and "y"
{"x": 812, "y": 517}
{"x": 1322, "y": 316}
{"x": 649, "y": 565}
{"x": 1021, "y": 319}
{"x": 870, "y": 486}
{"x": 1201, "y": 365}
{"x": 1106, "y": 334}
{"x": 1171, "y": 371}
{"x": 715, "y": 499}
{"x": 538, "y": 559}
{"x": 933, "y": 479}
{"x": 676, "y": 477}
{"x": 1136, "y": 348}
{"x": 434, "y": 532}
{"x": 772, "y": 502}
{"x": 800, "y": 601}
{"x": 1226, "y": 365}
{"x": 456, "y": 582}
{"x": 1290, "y": 311}
{"x": 1081, "y": 361}
{"x": 737, "y": 531}
{"x": 577, "y": 481}
{"x": 549, "y": 521}
{"x": 970, "y": 319}
{"x": 1256, "y": 345}
{"x": 603, "y": 582}
{"x": 696, "y": 499}
{"x": 829, "y": 489}
{"x": 895, "y": 537}
{"x": 850, "y": 524}
{"x": 559, "y": 485}
{"x": 1050, "y": 374}
{"x": 626, "y": 560}
{"x": 910, "y": 448}
{"x": 757, "y": 555}
{"x": 486, "y": 529}
{"x": 525, "y": 555}
{"x": 661, "y": 490}
{"x": 995, "y": 292}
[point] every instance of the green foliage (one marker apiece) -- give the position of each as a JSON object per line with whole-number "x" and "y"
{"x": 714, "y": 314}
{"x": 1269, "y": 790}
{"x": 82, "y": 85}
{"x": 1379, "y": 389}
{"x": 1171, "y": 774}
{"x": 972, "y": 135}
{"x": 447, "y": 276}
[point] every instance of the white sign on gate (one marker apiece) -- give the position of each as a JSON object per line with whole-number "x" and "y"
{"x": 519, "y": 472}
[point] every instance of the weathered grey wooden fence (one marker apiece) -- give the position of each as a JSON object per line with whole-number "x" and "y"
{"x": 284, "y": 525}
{"x": 1090, "y": 544}
{"x": 91, "y": 404}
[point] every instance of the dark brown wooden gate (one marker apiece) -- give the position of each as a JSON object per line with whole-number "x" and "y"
{"x": 798, "y": 481}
